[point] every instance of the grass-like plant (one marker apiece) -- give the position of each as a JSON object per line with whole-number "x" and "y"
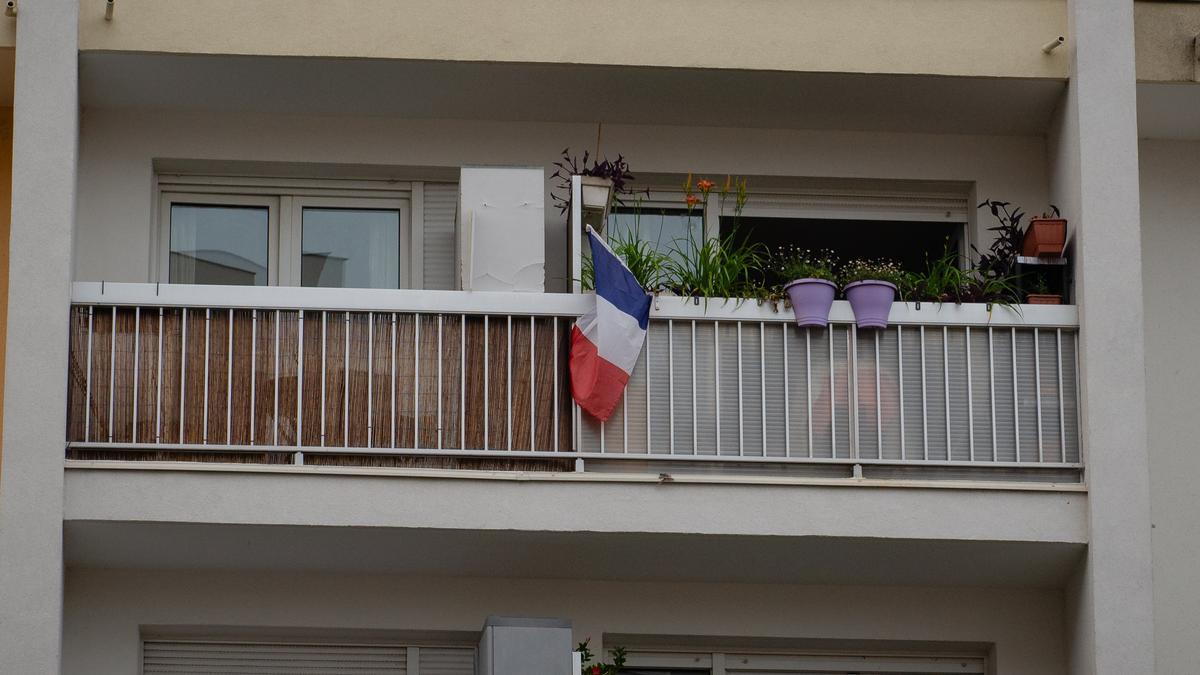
{"x": 945, "y": 280}
{"x": 727, "y": 267}
{"x": 648, "y": 265}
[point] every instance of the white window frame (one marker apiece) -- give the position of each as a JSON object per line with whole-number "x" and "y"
{"x": 168, "y": 199}
{"x": 285, "y": 199}
{"x": 293, "y": 243}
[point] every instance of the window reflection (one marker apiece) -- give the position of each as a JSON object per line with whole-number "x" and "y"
{"x": 213, "y": 244}
{"x": 350, "y": 248}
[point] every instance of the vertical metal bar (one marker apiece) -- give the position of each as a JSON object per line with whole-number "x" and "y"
{"x": 1078, "y": 408}
{"x": 832, "y": 400}
{"x": 275, "y": 424}
{"x": 741, "y": 421}
{"x": 946, "y": 385}
{"x": 509, "y": 353}
{"x": 852, "y": 388}
{"x": 87, "y": 395}
{"x": 487, "y": 366}
{"x": 229, "y": 383}
{"x": 441, "y": 364}
{"x": 462, "y": 382}
{"x": 207, "y": 349}
{"x": 649, "y": 436}
{"x": 183, "y": 312}
{"x": 253, "y": 368}
{"x": 671, "y": 382}
{"x": 992, "y": 389}
{"x": 346, "y": 384}
{"x": 970, "y": 399}
{"x": 554, "y": 390}
{"x": 299, "y": 382}
{"x": 1016, "y": 401}
{"x": 324, "y": 375}
{"x": 87, "y": 386}
{"x": 158, "y": 382}
{"x": 762, "y": 381}
{"x": 716, "y": 380}
{"x": 370, "y": 380}
{"x": 416, "y": 381}
{"x": 1037, "y": 387}
{"x": 392, "y": 432}
{"x": 878, "y": 404}
{"x": 695, "y": 423}
{"x": 532, "y": 385}
{"x": 1062, "y": 416}
{"x": 787, "y": 405}
{"x": 924, "y": 403}
{"x": 625, "y": 422}
{"x": 112, "y": 370}
{"x": 900, "y": 376}
{"x": 808, "y": 386}
{"x": 137, "y": 353}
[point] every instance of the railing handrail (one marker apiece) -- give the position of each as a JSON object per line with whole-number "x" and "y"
{"x": 540, "y": 304}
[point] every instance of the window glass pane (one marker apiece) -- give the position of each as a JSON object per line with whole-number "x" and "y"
{"x": 350, "y": 248}
{"x": 219, "y": 244}
{"x": 665, "y": 229}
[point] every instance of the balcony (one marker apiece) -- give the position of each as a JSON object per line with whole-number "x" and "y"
{"x": 444, "y": 379}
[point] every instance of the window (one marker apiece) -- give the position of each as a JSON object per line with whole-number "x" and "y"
{"x": 668, "y": 229}
{"x": 258, "y": 232}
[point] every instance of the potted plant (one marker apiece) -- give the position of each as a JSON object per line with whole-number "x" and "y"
{"x": 1046, "y": 236}
{"x": 870, "y": 286}
{"x": 1041, "y": 294}
{"x": 604, "y": 183}
{"x": 809, "y": 283}
{"x": 1000, "y": 260}
{"x": 614, "y": 666}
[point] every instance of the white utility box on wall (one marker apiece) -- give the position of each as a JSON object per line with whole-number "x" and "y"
{"x": 502, "y": 226}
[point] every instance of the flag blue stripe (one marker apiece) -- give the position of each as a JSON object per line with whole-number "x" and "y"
{"x": 615, "y": 283}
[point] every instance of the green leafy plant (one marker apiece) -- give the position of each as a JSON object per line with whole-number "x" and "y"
{"x": 616, "y": 654}
{"x": 872, "y": 270}
{"x": 648, "y": 265}
{"x": 946, "y": 280}
{"x": 715, "y": 268}
{"x": 1000, "y": 260}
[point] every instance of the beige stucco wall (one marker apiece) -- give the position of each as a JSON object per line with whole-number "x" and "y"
{"x": 953, "y": 37}
{"x": 104, "y": 609}
{"x": 1171, "y": 246}
{"x": 1166, "y": 34}
{"x": 117, "y": 148}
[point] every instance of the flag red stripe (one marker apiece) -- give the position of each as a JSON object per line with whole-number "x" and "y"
{"x": 596, "y": 384}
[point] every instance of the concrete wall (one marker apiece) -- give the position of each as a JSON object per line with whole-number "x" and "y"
{"x": 956, "y": 37}
{"x": 1171, "y": 246}
{"x": 5, "y": 226}
{"x": 1166, "y": 35}
{"x": 116, "y": 178}
{"x": 104, "y": 609}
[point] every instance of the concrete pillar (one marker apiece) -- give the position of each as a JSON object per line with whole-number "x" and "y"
{"x": 511, "y": 646}
{"x": 1094, "y": 178}
{"x": 45, "y": 140}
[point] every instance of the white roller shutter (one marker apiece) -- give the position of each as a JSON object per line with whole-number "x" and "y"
{"x": 438, "y": 245}
{"x": 248, "y": 658}
{"x": 863, "y": 203}
{"x": 447, "y": 661}
{"x": 802, "y": 664}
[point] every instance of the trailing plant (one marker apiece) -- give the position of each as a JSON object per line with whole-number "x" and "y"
{"x": 716, "y": 268}
{"x": 872, "y": 270}
{"x": 616, "y": 654}
{"x": 615, "y": 170}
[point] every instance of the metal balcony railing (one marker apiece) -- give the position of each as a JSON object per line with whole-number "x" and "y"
{"x": 302, "y": 374}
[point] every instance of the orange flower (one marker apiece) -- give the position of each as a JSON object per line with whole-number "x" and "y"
{"x": 704, "y": 185}
{"x": 692, "y": 200}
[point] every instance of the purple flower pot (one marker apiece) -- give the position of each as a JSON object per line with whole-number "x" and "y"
{"x": 811, "y": 300}
{"x": 871, "y": 302}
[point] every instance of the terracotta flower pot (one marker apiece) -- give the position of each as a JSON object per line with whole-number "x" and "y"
{"x": 811, "y": 301}
{"x": 1045, "y": 237}
{"x": 1043, "y": 299}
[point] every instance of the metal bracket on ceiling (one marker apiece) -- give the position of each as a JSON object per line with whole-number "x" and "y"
{"x": 108, "y": 10}
{"x": 10, "y": 8}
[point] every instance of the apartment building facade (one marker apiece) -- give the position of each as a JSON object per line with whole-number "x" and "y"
{"x": 257, "y": 419}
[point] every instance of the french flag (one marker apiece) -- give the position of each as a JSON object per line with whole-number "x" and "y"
{"x": 606, "y": 342}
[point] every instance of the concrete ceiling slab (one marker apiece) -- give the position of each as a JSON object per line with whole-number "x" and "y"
{"x": 569, "y": 93}
{"x": 596, "y": 556}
